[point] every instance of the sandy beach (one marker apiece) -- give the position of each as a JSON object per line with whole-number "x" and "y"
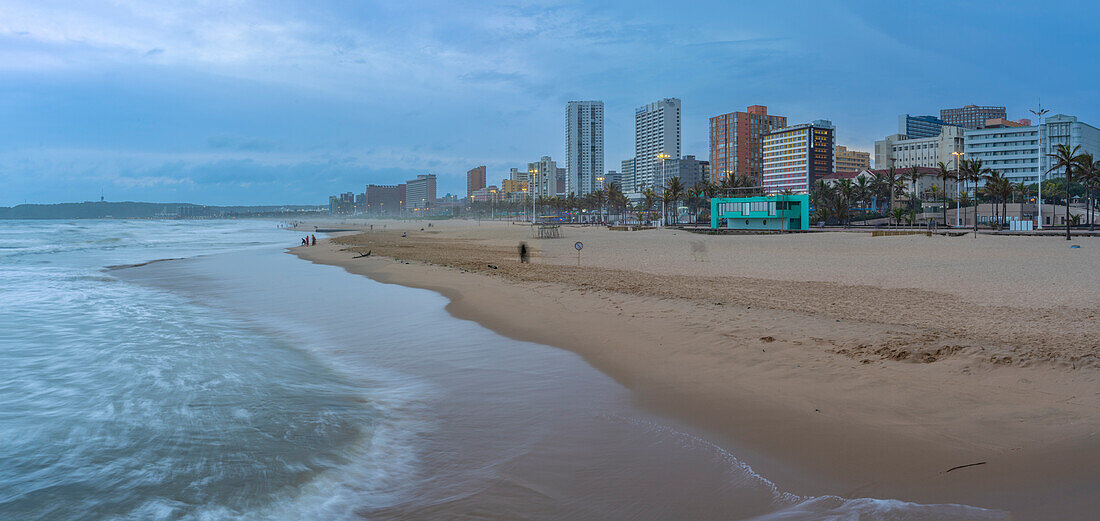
{"x": 834, "y": 363}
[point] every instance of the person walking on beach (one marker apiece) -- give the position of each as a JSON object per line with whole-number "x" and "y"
{"x": 523, "y": 253}
{"x": 314, "y": 240}
{"x": 304, "y": 243}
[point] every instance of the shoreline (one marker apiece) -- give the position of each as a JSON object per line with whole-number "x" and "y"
{"x": 783, "y": 388}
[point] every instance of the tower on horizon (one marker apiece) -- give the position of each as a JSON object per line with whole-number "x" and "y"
{"x": 584, "y": 146}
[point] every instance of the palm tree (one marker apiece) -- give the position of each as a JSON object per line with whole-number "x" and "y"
{"x": 898, "y": 214}
{"x": 675, "y": 190}
{"x": 972, "y": 171}
{"x": 650, "y": 201}
{"x": 913, "y": 177}
{"x": 890, "y": 180}
{"x": 863, "y": 189}
{"x": 1069, "y": 159}
{"x": 944, "y": 176}
{"x": 844, "y": 195}
{"x": 1089, "y": 175}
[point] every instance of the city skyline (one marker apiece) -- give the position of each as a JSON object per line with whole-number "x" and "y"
{"x": 289, "y": 105}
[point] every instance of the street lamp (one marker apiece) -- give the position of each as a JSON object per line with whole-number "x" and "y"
{"x": 532, "y": 173}
{"x": 1039, "y": 160}
{"x": 958, "y": 156}
{"x": 663, "y": 156}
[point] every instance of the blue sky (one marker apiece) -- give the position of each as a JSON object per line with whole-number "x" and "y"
{"x": 241, "y": 102}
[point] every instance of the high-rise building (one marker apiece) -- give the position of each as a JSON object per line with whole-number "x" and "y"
{"x": 543, "y": 177}
{"x": 627, "y": 176}
{"x": 584, "y": 146}
{"x": 971, "y": 116}
{"x": 656, "y": 131}
{"x": 919, "y": 126}
{"x": 420, "y": 192}
{"x": 795, "y": 157}
{"x": 735, "y": 141}
{"x": 385, "y": 199}
{"x": 851, "y": 160}
{"x": 901, "y": 151}
{"x": 475, "y": 180}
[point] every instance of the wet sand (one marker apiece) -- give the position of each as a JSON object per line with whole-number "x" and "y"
{"x": 832, "y": 363}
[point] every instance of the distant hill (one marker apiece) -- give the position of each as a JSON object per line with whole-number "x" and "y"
{"x": 136, "y": 210}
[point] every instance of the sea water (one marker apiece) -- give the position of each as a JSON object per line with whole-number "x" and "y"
{"x": 240, "y": 382}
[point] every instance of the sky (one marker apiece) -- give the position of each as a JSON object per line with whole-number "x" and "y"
{"x": 287, "y": 102}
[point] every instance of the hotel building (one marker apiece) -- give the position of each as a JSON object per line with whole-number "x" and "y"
{"x": 735, "y": 141}
{"x": 795, "y": 157}
{"x": 851, "y": 160}
{"x": 971, "y": 116}
{"x": 656, "y": 131}
{"x": 420, "y": 192}
{"x": 1014, "y": 150}
{"x": 584, "y": 147}
{"x": 384, "y": 199}
{"x": 475, "y": 180}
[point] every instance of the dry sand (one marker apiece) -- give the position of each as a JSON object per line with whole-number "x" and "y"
{"x": 834, "y": 363}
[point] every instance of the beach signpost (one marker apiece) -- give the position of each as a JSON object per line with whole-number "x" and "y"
{"x": 578, "y": 246}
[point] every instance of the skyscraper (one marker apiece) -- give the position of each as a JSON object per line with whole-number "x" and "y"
{"x": 735, "y": 141}
{"x": 475, "y": 180}
{"x": 584, "y": 145}
{"x": 656, "y": 131}
{"x": 971, "y": 116}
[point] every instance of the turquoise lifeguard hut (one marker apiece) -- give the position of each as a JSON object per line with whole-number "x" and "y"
{"x": 773, "y": 212}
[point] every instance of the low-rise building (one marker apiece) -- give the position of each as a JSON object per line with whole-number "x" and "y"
{"x": 488, "y": 194}
{"x": 901, "y": 151}
{"x": 776, "y": 212}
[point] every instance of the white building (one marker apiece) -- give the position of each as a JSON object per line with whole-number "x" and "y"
{"x": 1013, "y": 151}
{"x": 420, "y": 192}
{"x": 901, "y": 151}
{"x": 656, "y": 131}
{"x": 584, "y": 146}
{"x": 1066, "y": 130}
{"x": 543, "y": 177}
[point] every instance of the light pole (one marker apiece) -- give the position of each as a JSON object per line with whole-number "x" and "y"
{"x": 600, "y": 180}
{"x": 958, "y": 181}
{"x": 1039, "y": 160}
{"x": 532, "y": 174}
{"x": 663, "y": 156}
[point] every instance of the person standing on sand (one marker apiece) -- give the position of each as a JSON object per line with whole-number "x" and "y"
{"x": 523, "y": 253}
{"x": 314, "y": 239}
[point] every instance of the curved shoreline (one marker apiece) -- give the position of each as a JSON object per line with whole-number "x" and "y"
{"x": 802, "y": 432}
